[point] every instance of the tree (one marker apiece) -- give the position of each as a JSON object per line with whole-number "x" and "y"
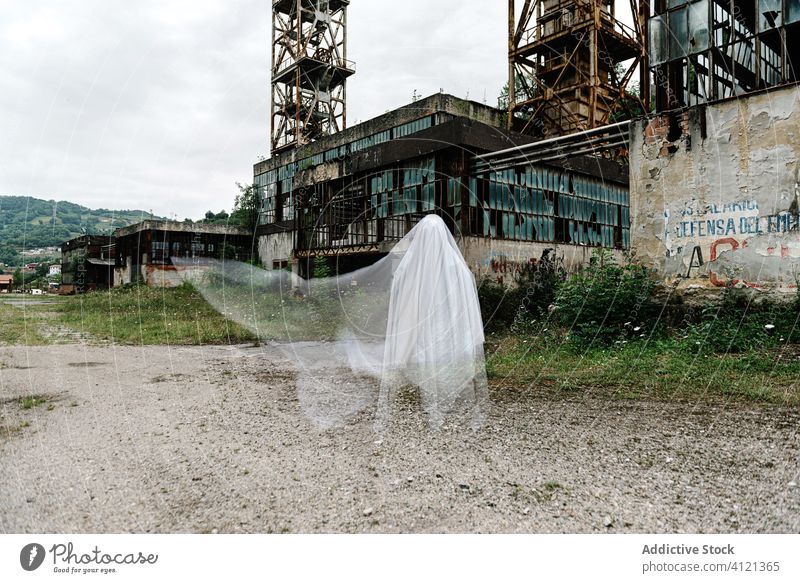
{"x": 220, "y": 218}
{"x": 245, "y": 207}
{"x": 630, "y": 106}
{"x": 227, "y": 251}
{"x": 18, "y": 277}
{"x": 321, "y": 267}
{"x": 523, "y": 90}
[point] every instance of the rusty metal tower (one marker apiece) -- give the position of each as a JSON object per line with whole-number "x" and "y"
{"x": 309, "y": 70}
{"x": 569, "y": 63}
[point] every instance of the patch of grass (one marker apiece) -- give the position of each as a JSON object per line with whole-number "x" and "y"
{"x": 148, "y": 315}
{"x": 8, "y": 430}
{"x": 669, "y": 368}
{"x": 21, "y": 324}
{"x": 31, "y": 401}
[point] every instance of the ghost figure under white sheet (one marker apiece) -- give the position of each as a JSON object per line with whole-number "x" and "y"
{"x": 412, "y": 319}
{"x": 434, "y": 332}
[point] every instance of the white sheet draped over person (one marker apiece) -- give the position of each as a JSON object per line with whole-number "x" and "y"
{"x": 411, "y": 320}
{"x": 434, "y": 332}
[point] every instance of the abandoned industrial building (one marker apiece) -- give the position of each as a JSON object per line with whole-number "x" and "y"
{"x": 143, "y": 252}
{"x": 349, "y": 194}
{"x": 714, "y": 175}
{"x": 355, "y": 193}
{"x": 86, "y": 264}
{"x": 700, "y": 182}
{"x": 574, "y": 163}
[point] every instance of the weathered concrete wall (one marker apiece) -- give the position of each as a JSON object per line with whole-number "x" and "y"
{"x": 162, "y": 276}
{"x": 495, "y": 259}
{"x": 122, "y": 275}
{"x": 178, "y": 227}
{"x": 275, "y": 247}
{"x": 501, "y": 260}
{"x": 725, "y": 188}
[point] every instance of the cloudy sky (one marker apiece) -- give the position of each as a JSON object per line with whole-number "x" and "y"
{"x": 164, "y": 105}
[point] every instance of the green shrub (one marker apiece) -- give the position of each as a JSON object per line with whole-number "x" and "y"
{"x": 528, "y": 300}
{"x": 499, "y": 305}
{"x": 321, "y": 267}
{"x": 605, "y": 301}
{"x": 737, "y": 325}
{"x": 538, "y": 283}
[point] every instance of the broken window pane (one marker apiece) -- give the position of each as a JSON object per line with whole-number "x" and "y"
{"x": 698, "y": 79}
{"x": 792, "y": 11}
{"x": 698, "y": 26}
{"x": 770, "y": 67}
{"x": 658, "y": 40}
{"x": 678, "y": 35}
{"x": 770, "y": 15}
{"x": 743, "y": 54}
{"x": 721, "y": 29}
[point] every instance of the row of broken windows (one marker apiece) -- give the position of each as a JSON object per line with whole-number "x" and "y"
{"x": 705, "y": 50}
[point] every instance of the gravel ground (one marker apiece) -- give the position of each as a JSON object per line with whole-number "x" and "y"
{"x": 214, "y": 439}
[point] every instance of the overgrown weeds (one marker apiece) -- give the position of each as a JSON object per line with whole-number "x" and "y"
{"x": 605, "y": 334}
{"x": 605, "y": 301}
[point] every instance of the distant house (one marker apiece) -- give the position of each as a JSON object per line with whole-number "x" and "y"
{"x": 84, "y": 265}
{"x": 144, "y": 250}
{"x": 55, "y": 269}
{"x": 32, "y": 266}
{"x": 6, "y": 283}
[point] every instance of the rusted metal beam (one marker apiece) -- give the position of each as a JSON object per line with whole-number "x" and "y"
{"x": 582, "y": 40}
{"x": 642, "y": 14}
{"x": 512, "y": 74}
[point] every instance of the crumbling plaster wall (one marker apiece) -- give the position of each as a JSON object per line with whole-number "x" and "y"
{"x": 275, "y": 247}
{"x": 500, "y": 260}
{"x": 725, "y": 191}
{"x": 122, "y": 275}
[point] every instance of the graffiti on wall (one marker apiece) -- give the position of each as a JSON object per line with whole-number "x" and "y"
{"x": 733, "y": 219}
{"x": 504, "y": 268}
{"x": 740, "y": 244}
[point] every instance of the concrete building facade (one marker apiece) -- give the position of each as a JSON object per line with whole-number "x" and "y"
{"x": 144, "y": 251}
{"x": 351, "y": 196}
{"x": 715, "y": 193}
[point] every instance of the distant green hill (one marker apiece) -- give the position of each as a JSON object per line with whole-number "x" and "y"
{"x": 30, "y": 223}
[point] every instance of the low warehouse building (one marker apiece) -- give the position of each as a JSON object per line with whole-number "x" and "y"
{"x": 86, "y": 265}
{"x": 143, "y": 251}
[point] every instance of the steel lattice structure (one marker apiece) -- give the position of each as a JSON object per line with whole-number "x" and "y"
{"x": 309, "y": 70}
{"x": 569, "y": 63}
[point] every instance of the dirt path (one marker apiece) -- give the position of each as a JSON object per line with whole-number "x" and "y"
{"x": 207, "y": 439}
